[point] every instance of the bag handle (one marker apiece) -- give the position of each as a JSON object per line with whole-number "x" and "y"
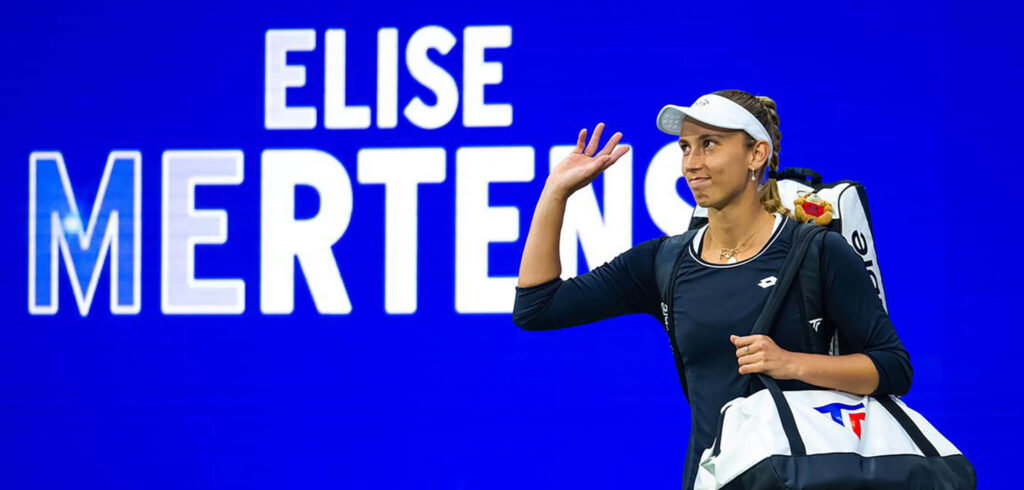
{"x": 801, "y": 174}
{"x": 912, "y": 430}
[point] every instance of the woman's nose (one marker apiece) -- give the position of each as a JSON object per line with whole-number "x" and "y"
{"x": 692, "y": 162}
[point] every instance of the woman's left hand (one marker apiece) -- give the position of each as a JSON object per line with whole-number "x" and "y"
{"x": 760, "y": 354}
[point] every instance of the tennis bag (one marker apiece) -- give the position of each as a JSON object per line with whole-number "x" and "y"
{"x": 851, "y": 216}
{"x": 824, "y": 438}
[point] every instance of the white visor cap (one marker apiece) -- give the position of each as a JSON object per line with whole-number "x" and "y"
{"x": 717, "y": 111}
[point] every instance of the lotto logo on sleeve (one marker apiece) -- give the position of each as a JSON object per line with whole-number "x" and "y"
{"x": 836, "y": 410}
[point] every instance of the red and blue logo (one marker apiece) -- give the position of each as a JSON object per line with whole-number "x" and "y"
{"x": 836, "y": 411}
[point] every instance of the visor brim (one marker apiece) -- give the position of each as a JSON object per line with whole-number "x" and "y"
{"x": 670, "y": 118}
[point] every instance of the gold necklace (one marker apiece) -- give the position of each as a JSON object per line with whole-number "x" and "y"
{"x": 729, "y": 254}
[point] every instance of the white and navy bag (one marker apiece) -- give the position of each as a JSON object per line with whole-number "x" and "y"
{"x": 824, "y": 438}
{"x": 851, "y": 216}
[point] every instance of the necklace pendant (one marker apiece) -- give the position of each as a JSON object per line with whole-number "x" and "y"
{"x": 732, "y": 260}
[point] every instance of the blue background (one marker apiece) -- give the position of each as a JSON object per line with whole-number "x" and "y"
{"x": 920, "y": 102}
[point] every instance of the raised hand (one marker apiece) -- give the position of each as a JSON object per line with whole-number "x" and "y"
{"x": 583, "y": 164}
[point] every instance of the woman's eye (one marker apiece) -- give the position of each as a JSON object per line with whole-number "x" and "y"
{"x": 706, "y": 143}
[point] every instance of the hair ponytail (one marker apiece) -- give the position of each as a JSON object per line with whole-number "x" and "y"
{"x": 769, "y": 191}
{"x": 764, "y": 109}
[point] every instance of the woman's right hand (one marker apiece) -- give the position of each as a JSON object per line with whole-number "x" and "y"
{"x": 583, "y": 165}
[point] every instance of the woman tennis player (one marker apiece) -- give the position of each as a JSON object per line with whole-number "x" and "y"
{"x": 729, "y": 140}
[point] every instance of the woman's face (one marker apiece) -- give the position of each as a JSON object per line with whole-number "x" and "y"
{"x": 716, "y": 162}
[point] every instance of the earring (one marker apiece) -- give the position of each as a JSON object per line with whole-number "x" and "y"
{"x": 753, "y": 175}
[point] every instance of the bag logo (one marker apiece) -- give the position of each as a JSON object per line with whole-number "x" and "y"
{"x": 767, "y": 282}
{"x": 664, "y": 313}
{"x": 836, "y": 411}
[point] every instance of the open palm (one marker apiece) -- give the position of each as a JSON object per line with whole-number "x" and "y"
{"x": 581, "y": 166}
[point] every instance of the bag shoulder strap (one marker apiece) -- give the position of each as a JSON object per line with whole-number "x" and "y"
{"x": 791, "y": 267}
{"x": 666, "y": 268}
{"x": 667, "y": 260}
{"x": 802, "y": 238}
{"x": 819, "y": 334}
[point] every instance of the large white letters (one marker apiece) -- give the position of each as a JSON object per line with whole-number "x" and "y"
{"x": 284, "y": 238}
{"x": 387, "y": 78}
{"x": 280, "y": 75}
{"x": 57, "y": 230}
{"x": 477, "y": 73}
{"x": 337, "y": 115}
{"x": 184, "y": 227}
{"x": 431, "y": 76}
{"x": 669, "y": 211}
{"x": 477, "y": 224}
{"x": 401, "y": 170}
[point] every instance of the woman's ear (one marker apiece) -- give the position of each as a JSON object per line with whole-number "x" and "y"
{"x": 760, "y": 156}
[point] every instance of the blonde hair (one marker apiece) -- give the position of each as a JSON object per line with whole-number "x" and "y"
{"x": 763, "y": 108}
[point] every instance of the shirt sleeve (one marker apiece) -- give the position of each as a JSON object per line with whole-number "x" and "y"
{"x": 624, "y": 285}
{"x": 863, "y": 325}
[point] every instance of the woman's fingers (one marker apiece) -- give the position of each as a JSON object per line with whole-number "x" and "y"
{"x": 759, "y": 354}
{"x": 615, "y": 155}
{"x": 740, "y": 341}
{"x": 606, "y": 157}
{"x": 580, "y": 141}
{"x": 753, "y": 368}
{"x": 594, "y": 140}
{"x": 614, "y": 140}
{"x": 619, "y": 152}
{"x": 743, "y": 361}
{"x": 609, "y": 160}
{"x": 747, "y": 350}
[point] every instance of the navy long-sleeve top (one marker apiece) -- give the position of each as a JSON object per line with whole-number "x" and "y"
{"x": 714, "y": 301}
